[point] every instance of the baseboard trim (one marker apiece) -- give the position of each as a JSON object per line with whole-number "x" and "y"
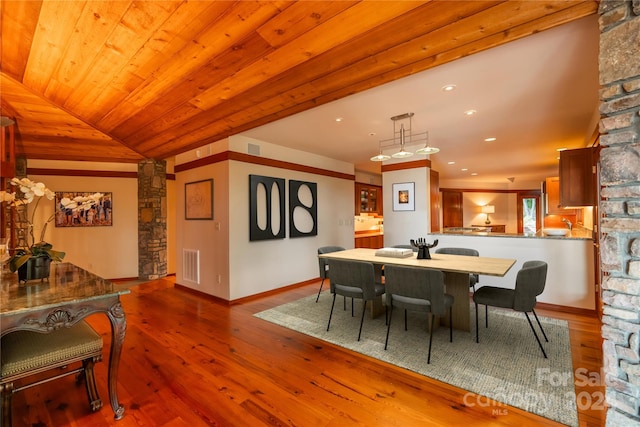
{"x": 247, "y": 298}
{"x": 567, "y": 309}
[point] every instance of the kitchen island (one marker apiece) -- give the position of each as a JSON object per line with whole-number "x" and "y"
{"x": 570, "y": 277}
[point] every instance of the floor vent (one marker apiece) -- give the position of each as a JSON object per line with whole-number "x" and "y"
{"x": 191, "y": 265}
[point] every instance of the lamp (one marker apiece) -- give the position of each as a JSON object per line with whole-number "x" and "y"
{"x": 400, "y": 137}
{"x": 487, "y": 209}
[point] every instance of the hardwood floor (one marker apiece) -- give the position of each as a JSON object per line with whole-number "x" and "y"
{"x": 190, "y": 361}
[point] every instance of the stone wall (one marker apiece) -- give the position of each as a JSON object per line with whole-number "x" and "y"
{"x": 152, "y": 219}
{"x": 620, "y": 206}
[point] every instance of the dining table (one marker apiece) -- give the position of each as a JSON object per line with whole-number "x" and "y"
{"x": 67, "y": 296}
{"x": 456, "y": 270}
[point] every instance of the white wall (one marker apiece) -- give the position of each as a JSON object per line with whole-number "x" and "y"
{"x": 570, "y": 276}
{"x": 369, "y": 177}
{"x": 110, "y": 252}
{"x": 209, "y": 237}
{"x": 402, "y": 226}
{"x": 259, "y": 266}
{"x": 505, "y": 206}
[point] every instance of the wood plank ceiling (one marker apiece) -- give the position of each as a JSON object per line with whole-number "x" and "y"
{"x": 126, "y": 80}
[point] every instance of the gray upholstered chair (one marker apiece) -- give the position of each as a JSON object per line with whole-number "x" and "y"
{"x": 530, "y": 283}
{"x": 26, "y": 353}
{"x": 417, "y": 289}
{"x": 355, "y": 279}
{"x": 323, "y": 265}
{"x": 473, "y": 278}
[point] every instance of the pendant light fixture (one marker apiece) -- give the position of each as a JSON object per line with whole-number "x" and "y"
{"x": 427, "y": 149}
{"x": 402, "y": 154}
{"x": 403, "y": 137}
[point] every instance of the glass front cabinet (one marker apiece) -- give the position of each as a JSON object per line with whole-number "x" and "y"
{"x": 368, "y": 199}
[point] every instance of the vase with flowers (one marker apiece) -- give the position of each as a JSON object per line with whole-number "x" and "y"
{"x": 32, "y": 260}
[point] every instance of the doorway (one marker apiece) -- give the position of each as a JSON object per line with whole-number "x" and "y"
{"x": 451, "y": 209}
{"x": 528, "y": 213}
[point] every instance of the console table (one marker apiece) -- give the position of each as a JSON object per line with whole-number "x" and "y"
{"x": 70, "y": 295}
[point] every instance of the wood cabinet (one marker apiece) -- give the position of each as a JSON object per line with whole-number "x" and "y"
{"x": 368, "y": 199}
{"x": 577, "y": 177}
{"x": 369, "y": 241}
{"x": 451, "y": 209}
{"x": 553, "y": 198}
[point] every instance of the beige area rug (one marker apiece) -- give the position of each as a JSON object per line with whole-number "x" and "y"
{"x": 506, "y": 366}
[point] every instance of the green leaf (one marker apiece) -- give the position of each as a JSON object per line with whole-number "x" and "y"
{"x": 17, "y": 261}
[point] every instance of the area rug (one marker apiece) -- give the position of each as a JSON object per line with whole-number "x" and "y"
{"x": 506, "y": 366}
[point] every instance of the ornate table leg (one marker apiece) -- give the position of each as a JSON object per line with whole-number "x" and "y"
{"x": 118, "y": 329}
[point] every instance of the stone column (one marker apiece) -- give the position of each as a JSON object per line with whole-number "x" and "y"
{"x": 620, "y": 207}
{"x": 152, "y": 219}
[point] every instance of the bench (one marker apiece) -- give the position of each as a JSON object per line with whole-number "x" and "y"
{"x": 26, "y": 353}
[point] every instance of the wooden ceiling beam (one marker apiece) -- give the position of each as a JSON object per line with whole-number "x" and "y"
{"x": 370, "y": 72}
{"x": 161, "y": 78}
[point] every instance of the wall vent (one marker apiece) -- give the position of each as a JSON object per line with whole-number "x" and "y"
{"x": 191, "y": 266}
{"x": 253, "y": 149}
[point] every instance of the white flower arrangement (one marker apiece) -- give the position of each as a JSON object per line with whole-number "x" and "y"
{"x": 30, "y": 191}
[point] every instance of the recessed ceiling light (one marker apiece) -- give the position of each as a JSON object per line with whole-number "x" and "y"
{"x": 372, "y": 134}
{"x": 448, "y": 88}
{"x": 560, "y": 149}
{"x": 339, "y": 119}
{"x": 451, "y": 163}
{"x": 464, "y": 169}
{"x": 490, "y": 139}
{"x": 470, "y": 112}
{"x": 474, "y": 173}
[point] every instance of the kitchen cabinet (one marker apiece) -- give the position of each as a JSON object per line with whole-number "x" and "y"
{"x": 577, "y": 177}
{"x": 369, "y": 241}
{"x": 368, "y": 199}
{"x": 553, "y": 198}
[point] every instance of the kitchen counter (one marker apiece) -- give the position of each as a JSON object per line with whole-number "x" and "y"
{"x": 570, "y": 277}
{"x": 368, "y": 233}
{"x": 576, "y": 233}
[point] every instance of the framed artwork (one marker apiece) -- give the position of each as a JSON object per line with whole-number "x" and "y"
{"x": 266, "y": 208}
{"x": 69, "y": 210}
{"x": 404, "y": 196}
{"x": 198, "y": 199}
{"x": 303, "y": 208}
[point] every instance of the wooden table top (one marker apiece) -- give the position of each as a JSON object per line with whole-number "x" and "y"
{"x": 452, "y": 263}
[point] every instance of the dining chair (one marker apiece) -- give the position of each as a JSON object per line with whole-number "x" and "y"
{"x": 27, "y": 353}
{"x": 323, "y": 265}
{"x": 530, "y": 282}
{"x": 417, "y": 289}
{"x": 473, "y": 278}
{"x": 355, "y": 279}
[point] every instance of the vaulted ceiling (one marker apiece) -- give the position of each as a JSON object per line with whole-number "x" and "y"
{"x": 120, "y": 81}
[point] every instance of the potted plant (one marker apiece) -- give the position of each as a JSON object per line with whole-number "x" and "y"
{"x": 33, "y": 260}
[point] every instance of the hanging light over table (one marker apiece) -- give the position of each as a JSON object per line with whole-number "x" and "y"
{"x": 403, "y": 138}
